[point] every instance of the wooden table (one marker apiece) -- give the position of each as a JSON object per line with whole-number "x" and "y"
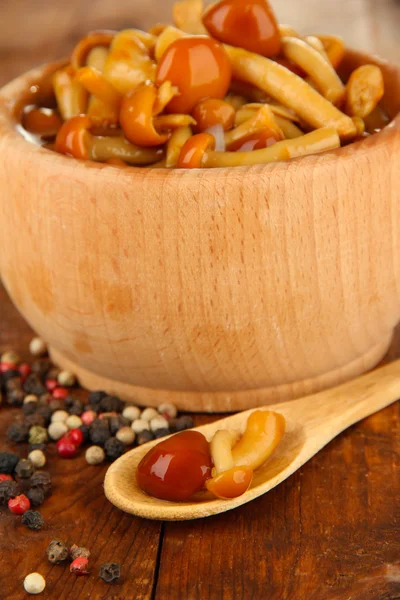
{"x": 331, "y": 532}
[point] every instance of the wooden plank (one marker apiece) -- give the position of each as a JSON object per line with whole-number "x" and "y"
{"x": 77, "y": 512}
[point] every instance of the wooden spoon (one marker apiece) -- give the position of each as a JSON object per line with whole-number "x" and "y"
{"x": 312, "y": 422}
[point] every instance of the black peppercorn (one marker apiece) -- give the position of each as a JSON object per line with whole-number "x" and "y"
{"x": 35, "y": 419}
{"x": 33, "y": 385}
{"x": 114, "y": 449}
{"x": 33, "y": 520}
{"x": 13, "y": 383}
{"x": 41, "y": 367}
{"x": 77, "y": 552}
{"x": 53, "y": 373}
{"x": 159, "y": 433}
{"x": 110, "y": 572}
{"x": 24, "y": 468}
{"x": 24, "y": 484}
{"x": 94, "y": 407}
{"x": 76, "y": 408}
{"x": 99, "y": 432}
{"x": 45, "y": 412}
{"x": 112, "y": 404}
{"x": 96, "y": 397}
{"x": 45, "y": 399}
{"x": 144, "y": 436}
{"x": 18, "y": 432}
{"x": 85, "y": 429}
{"x": 56, "y": 552}
{"x": 116, "y": 423}
{"x": 10, "y": 374}
{"x": 42, "y": 480}
{"x": 15, "y": 397}
{"x": 36, "y": 496}
{"x": 8, "y": 462}
{"x": 8, "y": 489}
{"x": 29, "y": 408}
{"x": 56, "y": 405}
{"x": 183, "y": 423}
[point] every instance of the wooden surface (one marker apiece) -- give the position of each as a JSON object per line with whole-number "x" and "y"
{"x": 331, "y": 532}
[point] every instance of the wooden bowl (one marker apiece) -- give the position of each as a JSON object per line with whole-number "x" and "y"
{"x": 218, "y": 290}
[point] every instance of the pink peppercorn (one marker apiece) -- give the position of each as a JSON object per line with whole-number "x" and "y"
{"x": 25, "y": 370}
{"x": 51, "y": 384}
{"x": 19, "y": 504}
{"x": 66, "y": 448}
{"x": 4, "y": 477}
{"x": 79, "y": 566}
{"x": 75, "y": 436}
{"x": 60, "y": 393}
{"x": 6, "y": 366}
{"x": 88, "y": 417}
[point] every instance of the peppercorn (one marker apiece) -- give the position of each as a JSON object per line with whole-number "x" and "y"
{"x": 158, "y": 423}
{"x": 110, "y": 572}
{"x": 59, "y": 416}
{"x": 116, "y": 423}
{"x": 10, "y": 357}
{"x": 33, "y": 447}
{"x": 45, "y": 412}
{"x": 66, "y": 378}
{"x": 8, "y": 462}
{"x": 51, "y": 384}
{"x": 88, "y": 417}
{"x": 144, "y": 436}
{"x": 76, "y": 436}
{"x": 95, "y": 455}
{"x": 37, "y": 435}
{"x": 79, "y": 566}
{"x": 13, "y": 383}
{"x": 41, "y": 367}
{"x": 140, "y": 425}
{"x": 85, "y": 429}
{"x": 36, "y": 496}
{"x": 34, "y": 583}
{"x": 37, "y": 347}
{"x": 148, "y": 414}
{"x": 114, "y": 449}
{"x": 24, "y": 468}
{"x": 60, "y": 393}
{"x": 131, "y": 413}
{"x": 55, "y": 405}
{"x": 29, "y": 408}
{"x": 95, "y": 408}
{"x": 37, "y": 459}
{"x": 112, "y": 404}
{"x": 30, "y": 399}
{"x": 4, "y": 477}
{"x": 183, "y": 423}
{"x": 73, "y": 422}
{"x": 45, "y": 399}
{"x": 33, "y": 385}
{"x": 77, "y": 552}
{"x": 168, "y": 410}
{"x": 42, "y": 480}
{"x": 71, "y": 401}
{"x": 57, "y": 552}
{"x": 24, "y": 484}
{"x": 34, "y": 420}
{"x": 159, "y": 433}
{"x": 57, "y": 430}
{"x": 8, "y": 490}
{"x": 19, "y": 505}
{"x": 33, "y": 520}
{"x": 16, "y": 398}
{"x": 99, "y": 432}
{"x": 18, "y": 432}
{"x": 96, "y": 397}
{"x": 53, "y": 373}
{"x": 24, "y": 369}
{"x": 66, "y": 448}
{"x": 126, "y": 435}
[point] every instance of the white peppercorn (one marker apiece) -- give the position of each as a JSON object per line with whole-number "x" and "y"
{"x": 34, "y": 583}
{"x": 37, "y": 458}
{"x": 10, "y": 357}
{"x": 168, "y": 409}
{"x": 148, "y": 414}
{"x": 125, "y": 435}
{"x": 66, "y": 379}
{"x": 37, "y": 347}
{"x": 95, "y": 455}
{"x": 158, "y": 422}
{"x": 73, "y": 422}
{"x": 57, "y": 430}
{"x": 131, "y": 413}
{"x": 30, "y": 398}
{"x": 59, "y": 416}
{"x": 140, "y": 425}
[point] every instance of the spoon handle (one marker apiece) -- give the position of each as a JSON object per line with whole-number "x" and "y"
{"x": 340, "y": 407}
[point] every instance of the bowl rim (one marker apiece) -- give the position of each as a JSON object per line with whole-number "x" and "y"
{"x": 12, "y": 93}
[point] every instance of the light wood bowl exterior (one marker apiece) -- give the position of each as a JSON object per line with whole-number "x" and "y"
{"x": 218, "y": 290}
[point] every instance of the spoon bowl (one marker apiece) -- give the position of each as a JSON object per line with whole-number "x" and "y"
{"x": 311, "y": 423}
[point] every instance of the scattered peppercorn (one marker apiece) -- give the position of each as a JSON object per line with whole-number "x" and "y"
{"x": 33, "y": 447}
{"x": 60, "y": 393}
{"x": 96, "y": 397}
{"x": 24, "y": 468}
{"x": 168, "y": 410}
{"x": 30, "y": 399}
{"x": 158, "y": 422}
{"x": 77, "y": 552}
{"x": 10, "y": 357}
{"x": 34, "y": 420}
{"x": 140, "y": 425}
{"x": 37, "y": 459}
{"x": 76, "y": 436}
{"x": 144, "y": 436}
{"x": 85, "y": 429}
{"x": 37, "y": 435}
{"x": 99, "y": 432}
{"x": 42, "y": 480}
{"x": 112, "y": 404}
{"x": 57, "y": 552}
{"x": 95, "y": 455}
{"x": 183, "y": 423}
{"x": 74, "y": 406}
{"x": 114, "y": 449}
{"x": 59, "y": 416}
{"x": 19, "y": 504}
{"x": 45, "y": 411}
{"x": 110, "y": 572}
{"x": 159, "y": 433}
{"x": 33, "y": 385}
{"x": 73, "y": 422}
{"x": 66, "y": 378}
{"x": 16, "y": 397}
{"x": 4, "y": 477}
{"x": 33, "y": 520}
{"x": 29, "y": 408}
{"x": 34, "y": 583}
{"x": 51, "y": 384}
{"x": 116, "y": 423}
{"x": 24, "y": 484}
{"x": 36, "y": 496}
{"x": 56, "y": 405}
{"x": 148, "y": 414}
{"x": 8, "y": 462}
{"x": 131, "y": 413}
{"x": 79, "y": 566}
{"x": 88, "y": 417}
{"x": 18, "y": 432}
{"x": 8, "y": 490}
{"x": 66, "y": 448}
{"x": 37, "y": 347}
{"x": 126, "y": 435}
{"x": 41, "y": 367}
{"x": 24, "y": 369}
{"x": 57, "y": 430}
